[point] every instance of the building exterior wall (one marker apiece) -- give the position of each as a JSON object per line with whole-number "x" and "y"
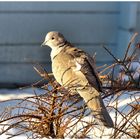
{"x": 23, "y": 26}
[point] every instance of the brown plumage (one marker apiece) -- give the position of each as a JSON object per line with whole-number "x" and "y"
{"x": 75, "y": 69}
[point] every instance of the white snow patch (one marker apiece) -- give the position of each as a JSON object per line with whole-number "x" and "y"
{"x": 95, "y": 132}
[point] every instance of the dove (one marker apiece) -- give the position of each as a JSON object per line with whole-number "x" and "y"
{"x": 75, "y": 69}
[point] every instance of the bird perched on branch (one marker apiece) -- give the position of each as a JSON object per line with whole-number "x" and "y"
{"x": 74, "y": 69}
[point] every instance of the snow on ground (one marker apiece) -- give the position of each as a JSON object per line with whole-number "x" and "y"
{"x": 6, "y": 94}
{"x": 97, "y": 132}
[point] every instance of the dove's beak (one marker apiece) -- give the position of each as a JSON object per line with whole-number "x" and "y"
{"x": 43, "y": 44}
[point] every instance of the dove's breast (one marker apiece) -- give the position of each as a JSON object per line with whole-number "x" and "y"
{"x": 63, "y": 68}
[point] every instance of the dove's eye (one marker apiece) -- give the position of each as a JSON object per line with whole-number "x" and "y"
{"x": 52, "y": 38}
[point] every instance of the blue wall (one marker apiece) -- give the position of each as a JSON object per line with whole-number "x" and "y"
{"x": 88, "y": 25}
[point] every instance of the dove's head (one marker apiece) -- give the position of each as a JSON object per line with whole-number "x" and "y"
{"x": 54, "y": 40}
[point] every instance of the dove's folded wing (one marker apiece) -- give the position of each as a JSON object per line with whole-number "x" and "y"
{"x": 86, "y": 65}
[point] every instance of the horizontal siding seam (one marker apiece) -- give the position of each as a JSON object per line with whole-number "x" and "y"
{"x": 46, "y": 62}
{"x": 59, "y": 12}
{"x": 39, "y": 44}
{"x": 127, "y": 29}
{"x": 21, "y": 63}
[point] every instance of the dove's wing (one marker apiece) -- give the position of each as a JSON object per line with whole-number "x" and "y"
{"x": 86, "y": 65}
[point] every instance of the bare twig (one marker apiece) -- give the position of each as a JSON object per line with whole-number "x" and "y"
{"x": 57, "y": 113}
{"x": 129, "y": 45}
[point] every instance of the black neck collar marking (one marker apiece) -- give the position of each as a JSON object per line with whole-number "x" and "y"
{"x": 62, "y": 45}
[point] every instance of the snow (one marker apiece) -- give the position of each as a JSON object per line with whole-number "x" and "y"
{"x": 123, "y": 100}
{"x": 97, "y": 132}
{"x": 8, "y": 94}
{"x": 134, "y": 68}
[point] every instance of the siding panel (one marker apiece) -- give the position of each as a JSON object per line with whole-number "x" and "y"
{"x": 138, "y": 5}
{"x": 31, "y": 54}
{"x": 28, "y": 28}
{"x": 23, "y": 26}
{"x": 19, "y": 73}
{"x": 138, "y": 27}
{"x": 138, "y": 20}
{"x": 59, "y": 6}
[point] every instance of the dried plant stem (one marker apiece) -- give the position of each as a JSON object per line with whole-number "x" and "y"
{"x": 129, "y": 45}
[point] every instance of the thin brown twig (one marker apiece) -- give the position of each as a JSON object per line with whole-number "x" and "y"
{"x": 129, "y": 45}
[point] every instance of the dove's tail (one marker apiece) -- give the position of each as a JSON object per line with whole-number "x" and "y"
{"x": 95, "y": 103}
{"x": 100, "y": 112}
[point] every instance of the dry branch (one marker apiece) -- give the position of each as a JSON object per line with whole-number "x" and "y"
{"x": 58, "y": 114}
